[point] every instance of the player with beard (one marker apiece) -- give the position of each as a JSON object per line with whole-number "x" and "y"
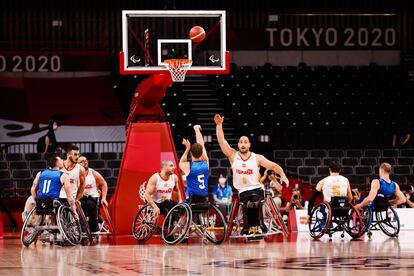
{"x": 75, "y": 172}
{"x": 160, "y": 187}
{"x": 245, "y": 166}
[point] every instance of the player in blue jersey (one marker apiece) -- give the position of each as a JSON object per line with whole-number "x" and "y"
{"x": 48, "y": 183}
{"x": 196, "y": 171}
{"x": 384, "y": 187}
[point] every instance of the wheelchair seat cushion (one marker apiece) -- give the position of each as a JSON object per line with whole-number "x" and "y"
{"x": 199, "y": 203}
{"x": 381, "y": 204}
{"x": 339, "y": 206}
{"x": 46, "y": 205}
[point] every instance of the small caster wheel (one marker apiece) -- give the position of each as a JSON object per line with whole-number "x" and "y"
{"x": 342, "y": 235}
{"x": 369, "y": 234}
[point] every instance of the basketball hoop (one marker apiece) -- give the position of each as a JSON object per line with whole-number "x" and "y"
{"x": 178, "y": 68}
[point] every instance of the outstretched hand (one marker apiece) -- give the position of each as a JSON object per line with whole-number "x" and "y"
{"x": 186, "y": 143}
{"x": 218, "y": 119}
{"x": 286, "y": 180}
{"x": 195, "y": 127}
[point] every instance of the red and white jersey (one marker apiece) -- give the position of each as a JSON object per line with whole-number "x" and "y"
{"x": 91, "y": 188}
{"x": 245, "y": 173}
{"x": 74, "y": 179}
{"x": 334, "y": 185}
{"x": 164, "y": 188}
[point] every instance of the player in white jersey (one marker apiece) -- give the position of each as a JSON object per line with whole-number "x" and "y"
{"x": 95, "y": 185}
{"x": 334, "y": 185}
{"x": 75, "y": 172}
{"x": 160, "y": 187}
{"x": 246, "y": 178}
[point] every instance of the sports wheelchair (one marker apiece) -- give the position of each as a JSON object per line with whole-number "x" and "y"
{"x": 380, "y": 215}
{"x": 336, "y": 216}
{"x": 40, "y": 220}
{"x": 270, "y": 218}
{"x": 145, "y": 223}
{"x": 198, "y": 216}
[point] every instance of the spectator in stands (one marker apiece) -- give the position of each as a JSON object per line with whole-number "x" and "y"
{"x": 276, "y": 188}
{"x": 296, "y": 202}
{"x": 48, "y": 143}
{"x": 222, "y": 195}
{"x": 402, "y": 137}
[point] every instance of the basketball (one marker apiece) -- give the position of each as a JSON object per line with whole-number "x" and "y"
{"x": 197, "y": 34}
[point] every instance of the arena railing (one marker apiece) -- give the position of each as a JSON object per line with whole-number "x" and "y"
{"x": 108, "y": 146}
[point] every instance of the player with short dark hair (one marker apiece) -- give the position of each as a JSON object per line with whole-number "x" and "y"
{"x": 75, "y": 172}
{"x": 196, "y": 171}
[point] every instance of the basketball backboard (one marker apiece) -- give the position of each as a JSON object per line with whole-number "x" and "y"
{"x": 151, "y": 36}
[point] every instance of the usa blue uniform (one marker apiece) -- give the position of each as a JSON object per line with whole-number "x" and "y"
{"x": 49, "y": 184}
{"x": 197, "y": 180}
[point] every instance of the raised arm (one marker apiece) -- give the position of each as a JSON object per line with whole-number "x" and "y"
{"x": 224, "y": 145}
{"x": 184, "y": 164}
{"x": 264, "y": 162}
{"x": 103, "y": 186}
{"x": 200, "y": 140}
{"x": 151, "y": 187}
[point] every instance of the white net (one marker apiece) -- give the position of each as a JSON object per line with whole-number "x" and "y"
{"x": 178, "y": 68}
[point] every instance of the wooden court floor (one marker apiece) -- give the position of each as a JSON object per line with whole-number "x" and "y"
{"x": 298, "y": 256}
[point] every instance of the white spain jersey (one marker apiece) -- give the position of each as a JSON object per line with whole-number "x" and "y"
{"x": 334, "y": 185}
{"x": 74, "y": 180}
{"x": 164, "y": 188}
{"x": 245, "y": 173}
{"x": 91, "y": 188}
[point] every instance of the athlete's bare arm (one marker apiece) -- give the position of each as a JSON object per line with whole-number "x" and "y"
{"x": 375, "y": 185}
{"x": 200, "y": 140}
{"x": 228, "y": 151}
{"x": 264, "y": 162}
{"x": 34, "y": 188}
{"x": 81, "y": 187}
{"x": 184, "y": 164}
{"x": 399, "y": 196}
{"x": 151, "y": 189}
{"x": 102, "y": 185}
{"x": 64, "y": 179}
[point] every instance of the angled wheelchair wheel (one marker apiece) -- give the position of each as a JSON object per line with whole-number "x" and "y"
{"x": 235, "y": 225}
{"x": 278, "y": 217}
{"x": 145, "y": 224}
{"x": 215, "y": 228}
{"x": 320, "y": 220}
{"x": 388, "y": 222}
{"x": 366, "y": 217}
{"x": 176, "y": 224}
{"x": 354, "y": 226}
{"x": 30, "y": 230}
{"x": 69, "y": 226}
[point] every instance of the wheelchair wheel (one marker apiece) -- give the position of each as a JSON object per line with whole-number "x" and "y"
{"x": 320, "y": 220}
{"x": 354, "y": 225}
{"x": 216, "y": 227}
{"x": 276, "y": 214}
{"x": 176, "y": 224}
{"x": 29, "y": 230}
{"x": 366, "y": 217}
{"x": 388, "y": 222}
{"x": 145, "y": 224}
{"x": 69, "y": 226}
{"x": 236, "y": 223}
